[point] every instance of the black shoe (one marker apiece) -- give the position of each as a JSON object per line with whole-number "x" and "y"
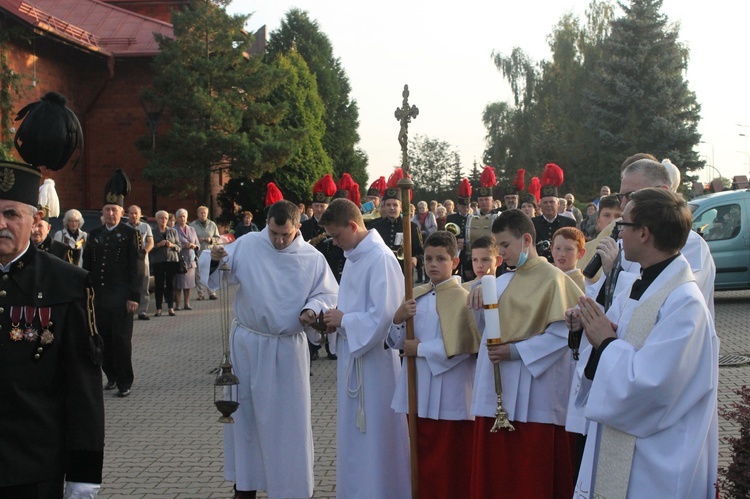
{"x": 242, "y": 494}
{"x": 110, "y": 385}
{"x": 314, "y": 355}
{"x": 123, "y": 393}
{"x": 333, "y": 356}
{"x": 143, "y": 317}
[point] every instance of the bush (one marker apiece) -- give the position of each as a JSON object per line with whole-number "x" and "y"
{"x": 736, "y": 477}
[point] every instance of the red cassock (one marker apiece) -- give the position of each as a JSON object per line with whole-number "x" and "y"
{"x": 513, "y": 463}
{"x": 444, "y": 453}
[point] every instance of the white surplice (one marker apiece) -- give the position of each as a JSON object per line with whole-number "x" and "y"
{"x": 270, "y": 445}
{"x": 372, "y": 443}
{"x": 698, "y": 255}
{"x": 535, "y": 387}
{"x": 664, "y": 394}
{"x": 444, "y": 385}
{"x": 695, "y": 251}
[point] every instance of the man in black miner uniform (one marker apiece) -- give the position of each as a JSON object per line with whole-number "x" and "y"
{"x": 51, "y": 408}
{"x": 112, "y": 258}
{"x": 460, "y": 218}
{"x": 315, "y": 234}
{"x": 512, "y": 192}
{"x": 390, "y": 226}
{"x": 548, "y": 222}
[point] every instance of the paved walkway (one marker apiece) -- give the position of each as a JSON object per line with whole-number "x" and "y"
{"x": 164, "y": 442}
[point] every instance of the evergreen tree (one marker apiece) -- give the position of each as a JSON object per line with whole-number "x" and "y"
{"x": 308, "y": 161}
{"x": 639, "y": 100}
{"x": 475, "y": 174}
{"x": 341, "y": 116}
{"x": 215, "y": 97}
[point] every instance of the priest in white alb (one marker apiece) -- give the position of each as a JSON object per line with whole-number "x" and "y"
{"x": 284, "y": 283}
{"x": 372, "y": 441}
{"x": 651, "y": 378}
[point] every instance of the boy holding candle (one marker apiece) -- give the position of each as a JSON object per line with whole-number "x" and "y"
{"x": 535, "y": 460}
{"x": 445, "y": 344}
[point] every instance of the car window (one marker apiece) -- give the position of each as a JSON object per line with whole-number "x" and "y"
{"x": 726, "y": 223}
{"x": 704, "y": 222}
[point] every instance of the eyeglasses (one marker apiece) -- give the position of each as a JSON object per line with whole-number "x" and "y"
{"x": 620, "y": 225}
{"x": 623, "y": 195}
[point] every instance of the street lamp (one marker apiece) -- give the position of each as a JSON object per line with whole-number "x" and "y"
{"x": 153, "y": 112}
{"x": 712, "y": 155}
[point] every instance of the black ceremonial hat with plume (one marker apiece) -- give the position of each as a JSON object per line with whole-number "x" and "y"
{"x": 117, "y": 188}
{"x": 48, "y": 135}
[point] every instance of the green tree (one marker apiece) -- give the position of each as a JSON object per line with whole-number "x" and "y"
{"x": 432, "y": 166}
{"x": 545, "y": 122}
{"x": 475, "y": 174}
{"x": 215, "y": 97}
{"x": 298, "y": 32}
{"x": 308, "y": 161}
{"x": 638, "y": 99}
{"x": 10, "y": 83}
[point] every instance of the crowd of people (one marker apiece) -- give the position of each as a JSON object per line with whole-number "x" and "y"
{"x": 650, "y": 306}
{"x": 607, "y": 379}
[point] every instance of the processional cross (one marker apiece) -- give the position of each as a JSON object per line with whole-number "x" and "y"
{"x": 404, "y": 115}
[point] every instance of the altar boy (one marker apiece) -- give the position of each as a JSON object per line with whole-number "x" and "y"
{"x": 372, "y": 443}
{"x": 535, "y": 460}
{"x": 445, "y": 344}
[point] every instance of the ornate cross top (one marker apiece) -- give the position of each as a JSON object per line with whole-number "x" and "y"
{"x": 404, "y": 114}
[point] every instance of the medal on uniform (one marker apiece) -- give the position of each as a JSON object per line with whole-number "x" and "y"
{"x": 16, "y": 333}
{"x": 30, "y": 333}
{"x": 44, "y": 320}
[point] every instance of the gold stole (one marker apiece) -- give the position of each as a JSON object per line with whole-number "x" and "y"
{"x": 460, "y": 334}
{"x": 538, "y": 295}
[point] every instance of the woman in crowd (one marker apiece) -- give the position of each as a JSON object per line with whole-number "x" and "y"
{"x": 246, "y": 225}
{"x": 425, "y": 219}
{"x": 72, "y": 236}
{"x": 448, "y": 203}
{"x": 441, "y": 217}
{"x": 188, "y": 241}
{"x": 171, "y": 221}
{"x": 529, "y": 207}
{"x": 164, "y": 261}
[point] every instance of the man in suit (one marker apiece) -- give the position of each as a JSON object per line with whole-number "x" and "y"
{"x": 51, "y": 408}
{"x": 111, "y": 256}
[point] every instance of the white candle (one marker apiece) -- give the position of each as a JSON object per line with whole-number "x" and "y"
{"x": 491, "y": 315}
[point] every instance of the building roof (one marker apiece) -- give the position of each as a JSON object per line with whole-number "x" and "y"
{"x": 91, "y": 24}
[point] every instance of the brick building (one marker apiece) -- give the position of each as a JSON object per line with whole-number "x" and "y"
{"x": 97, "y": 54}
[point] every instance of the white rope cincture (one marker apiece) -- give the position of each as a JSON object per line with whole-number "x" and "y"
{"x": 358, "y": 391}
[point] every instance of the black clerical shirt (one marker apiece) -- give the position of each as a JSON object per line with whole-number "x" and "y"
{"x": 648, "y": 276}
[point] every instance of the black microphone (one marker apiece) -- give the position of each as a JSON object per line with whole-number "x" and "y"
{"x": 596, "y": 262}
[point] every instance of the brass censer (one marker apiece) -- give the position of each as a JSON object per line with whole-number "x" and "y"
{"x": 226, "y": 385}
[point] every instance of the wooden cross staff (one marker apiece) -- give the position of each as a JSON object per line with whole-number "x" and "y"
{"x": 404, "y": 115}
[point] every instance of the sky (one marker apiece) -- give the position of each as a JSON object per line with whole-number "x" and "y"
{"x": 443, "y": 51}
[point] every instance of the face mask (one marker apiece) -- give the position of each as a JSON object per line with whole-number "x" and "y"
{"x": 522, "y": 258}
